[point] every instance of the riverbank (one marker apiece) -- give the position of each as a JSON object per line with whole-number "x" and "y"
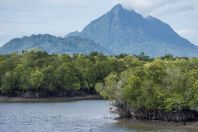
{"x": 151, "y": 125}
{"x": 5, "y": 99}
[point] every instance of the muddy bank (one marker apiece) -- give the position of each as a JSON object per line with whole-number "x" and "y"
{"x": 176, "y": 115}
{"x": 4, "y": 99}
{"x": 155, "y": 125}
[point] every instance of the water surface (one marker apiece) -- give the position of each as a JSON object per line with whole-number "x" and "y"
{"x": 76, "y": 116}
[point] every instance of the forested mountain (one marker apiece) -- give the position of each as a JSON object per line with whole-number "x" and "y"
{"x": 125, "y": 31}
{"x": 118, "y": 31}
{"x": 53, "y": 44}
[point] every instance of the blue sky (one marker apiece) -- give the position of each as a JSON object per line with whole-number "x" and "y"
{"x": 59, "y": 17}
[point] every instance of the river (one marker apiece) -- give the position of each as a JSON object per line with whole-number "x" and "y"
{"x": 75, "y": 116}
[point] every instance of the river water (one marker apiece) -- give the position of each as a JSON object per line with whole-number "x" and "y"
{"x": 76, "y": 116}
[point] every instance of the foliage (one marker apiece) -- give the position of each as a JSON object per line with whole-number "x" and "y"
{"x": 133, "y": 82}
{"x": 159, "y": 85}
{"x": 35, "y": 71}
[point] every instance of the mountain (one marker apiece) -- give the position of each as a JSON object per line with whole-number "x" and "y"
{"x": 53, "y": 44}
{"x": 118, "y": 31}
{"x": 125, "y": 31}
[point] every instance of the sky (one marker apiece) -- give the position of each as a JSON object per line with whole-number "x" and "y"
{"x": 59, "y": 17}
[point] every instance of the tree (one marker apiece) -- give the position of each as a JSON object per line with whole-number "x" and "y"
{"x": 8, "y": 82}
{"x": 36, "y": 79}
{"x": 67, "y": 77}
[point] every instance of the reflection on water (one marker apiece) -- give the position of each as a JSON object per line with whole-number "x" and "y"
{"x": 77, "y": 116}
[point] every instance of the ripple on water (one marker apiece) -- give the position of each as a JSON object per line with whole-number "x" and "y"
{"x": 77, "y": 116}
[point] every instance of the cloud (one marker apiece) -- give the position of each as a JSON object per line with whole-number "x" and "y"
{"x": 186, "y": 32}
{"x": 189, "y": 33}
{"x": 22, "y": 17}
{"x": 159, "y": 7}
{"x": 42, "y": 3}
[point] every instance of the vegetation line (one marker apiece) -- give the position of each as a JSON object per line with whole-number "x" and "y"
{"x": 162, "y": 88}
{"x": 49, "y": 99}
{"x": 34, "y": 73}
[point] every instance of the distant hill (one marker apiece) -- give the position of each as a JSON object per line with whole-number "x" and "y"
{"x": 52, "y": 44}
{"x": 125, "y": 31}
{"x": 118, "y": 31}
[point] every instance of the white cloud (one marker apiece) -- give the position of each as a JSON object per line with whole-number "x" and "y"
{"x": 40, "y": 5}
{"x": 186, "y": 32}
{"x": 159, "y": 7}
{"x": 62, "y": 16}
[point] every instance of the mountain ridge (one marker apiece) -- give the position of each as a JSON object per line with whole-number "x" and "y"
{"x": 126, "y": 31}
{"x": 52, "y": 44}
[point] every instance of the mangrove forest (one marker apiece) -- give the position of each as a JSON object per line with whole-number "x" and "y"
{"x": 160, "y": 89}
{"x": 140, "y": 87}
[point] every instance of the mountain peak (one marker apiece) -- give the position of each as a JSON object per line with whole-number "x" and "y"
{"x": 120, "y": 30}
{"x": 123, "y": 30}
{"x": 118, "y": 7}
